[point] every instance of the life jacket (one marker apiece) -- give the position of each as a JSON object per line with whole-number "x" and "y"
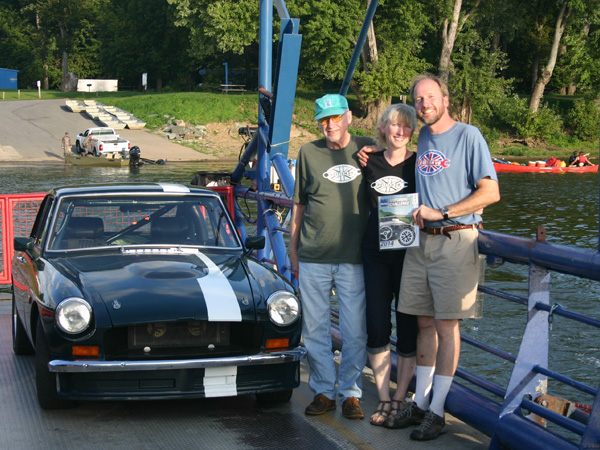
{"x": 551, "y": 161}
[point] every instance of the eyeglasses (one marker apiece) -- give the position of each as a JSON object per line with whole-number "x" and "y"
{"x": 335, "y": 119}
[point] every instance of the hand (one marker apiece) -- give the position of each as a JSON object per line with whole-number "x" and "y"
{"x": 423, "y": 213}
{"x": 363, "y": 154}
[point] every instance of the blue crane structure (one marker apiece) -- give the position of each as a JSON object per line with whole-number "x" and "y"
{"x": 506, "y": 417}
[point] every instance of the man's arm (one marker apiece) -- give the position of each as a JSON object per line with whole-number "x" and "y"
{"x": 296, "y": 226}
{"x": 487, "y": 193}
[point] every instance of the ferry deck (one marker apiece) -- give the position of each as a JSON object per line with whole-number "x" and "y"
{"x": 216, "y": 423}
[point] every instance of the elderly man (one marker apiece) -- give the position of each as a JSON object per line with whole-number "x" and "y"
{"x": 328, "y": 222}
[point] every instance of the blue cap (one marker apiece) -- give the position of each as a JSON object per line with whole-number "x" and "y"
{"x": 331, "y": 105}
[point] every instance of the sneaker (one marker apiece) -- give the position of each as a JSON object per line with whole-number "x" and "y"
{"x": 411, "y": 414}
{"x": 431, "y": 427}
{"x": 351, "y": 409}
{"x": 320, "y": 405}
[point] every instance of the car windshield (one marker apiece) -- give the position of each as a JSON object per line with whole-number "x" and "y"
{"x": 84, "y": 222}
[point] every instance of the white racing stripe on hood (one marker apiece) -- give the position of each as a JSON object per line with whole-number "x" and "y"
{"x": 221, "y": 301}
{"x": 171, "y": 187}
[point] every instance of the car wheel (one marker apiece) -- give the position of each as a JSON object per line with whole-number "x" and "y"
{"x": 21, "y": 344}
{"x": 407, "y": 236}
{"x": 45, "y": 381}
{"x": 385, "y": 233}
{"x": 275, "y": 397}
{"x": 78, "y": 148}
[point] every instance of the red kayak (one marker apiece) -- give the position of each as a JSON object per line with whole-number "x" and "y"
{"x": 502, "y": 167}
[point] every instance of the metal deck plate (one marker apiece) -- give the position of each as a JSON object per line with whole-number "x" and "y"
{"x": 223, "y": 423}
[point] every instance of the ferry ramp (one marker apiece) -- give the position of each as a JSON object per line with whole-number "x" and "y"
{"x": 216, "y": 423}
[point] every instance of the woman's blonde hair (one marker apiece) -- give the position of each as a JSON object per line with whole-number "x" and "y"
{"x": 397, "y": 113}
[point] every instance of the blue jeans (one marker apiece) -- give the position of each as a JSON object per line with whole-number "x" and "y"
{"x": 315, "y": 283}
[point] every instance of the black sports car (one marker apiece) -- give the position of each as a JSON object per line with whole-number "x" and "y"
{"x": 145, "y": 291}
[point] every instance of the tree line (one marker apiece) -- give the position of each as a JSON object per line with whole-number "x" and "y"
{"x": 500, "y": 58}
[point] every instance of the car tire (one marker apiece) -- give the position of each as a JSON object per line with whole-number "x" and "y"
{"x": 45, "y": 381}
{"x": 21, "y": 343}
{"x": 78, "y": 148}
{"x": 275, "y": 397}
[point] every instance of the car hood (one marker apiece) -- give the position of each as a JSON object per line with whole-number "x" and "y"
{"x": 145, "y": 287}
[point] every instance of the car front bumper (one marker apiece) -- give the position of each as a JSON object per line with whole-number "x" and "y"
{"x": 217, "y": 377}
{"x": 87, "y": 366}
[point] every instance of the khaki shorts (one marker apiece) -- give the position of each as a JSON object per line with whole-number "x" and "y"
{"x": 440, "y": 276}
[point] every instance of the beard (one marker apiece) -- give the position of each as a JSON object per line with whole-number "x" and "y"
{"x": 431, "y": 119}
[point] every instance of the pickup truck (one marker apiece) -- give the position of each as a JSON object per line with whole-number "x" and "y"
{"x": 104, "y": 141}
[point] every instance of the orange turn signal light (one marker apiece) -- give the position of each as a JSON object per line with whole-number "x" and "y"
{"x": 277, "y": 344}
{"x": 86, "y": 350}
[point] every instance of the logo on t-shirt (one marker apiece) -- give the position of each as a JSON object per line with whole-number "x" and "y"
{"x": 344, "y": 173}
{"x": 432, "y": 162}
{"x": 389, "y": 185}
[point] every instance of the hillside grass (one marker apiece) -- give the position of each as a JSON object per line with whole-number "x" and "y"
{"x": 200, "y": 108}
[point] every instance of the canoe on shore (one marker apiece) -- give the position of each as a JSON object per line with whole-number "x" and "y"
{"x": 503, "y": 167}
{"x": 103, "y": 161}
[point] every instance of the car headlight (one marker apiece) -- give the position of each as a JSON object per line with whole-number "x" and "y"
{"x": 73, "y": 315}
{"x": 284, "y": 308}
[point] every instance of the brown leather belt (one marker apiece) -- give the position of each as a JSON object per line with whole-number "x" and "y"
{"x": 446, "y": 230}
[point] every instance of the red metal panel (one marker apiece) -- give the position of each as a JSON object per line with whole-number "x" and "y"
{"x": 4, "y": 269}
{"x": 226, "y": 193}
{"x": 17, "y": 215}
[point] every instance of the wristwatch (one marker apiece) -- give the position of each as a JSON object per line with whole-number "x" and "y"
{"x": 445, "y": 212}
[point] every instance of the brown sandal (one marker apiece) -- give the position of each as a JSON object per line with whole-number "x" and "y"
{"x": 397, "y": 406}
{"x": 380, "y": 413}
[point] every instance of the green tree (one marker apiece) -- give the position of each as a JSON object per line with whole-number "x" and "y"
{"x": 16, "y": 47}
{"x": 474, "y": 85}
{"x": 390, "y": 57}
{"x": 57, "y": 23}
{"x": 140, "y": 36}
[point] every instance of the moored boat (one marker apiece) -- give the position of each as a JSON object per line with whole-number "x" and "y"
{"x": 109, "y": 160}
{"x": 507, "y": 167}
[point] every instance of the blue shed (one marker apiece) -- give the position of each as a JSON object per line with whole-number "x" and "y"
{"x": 8, "y": 79}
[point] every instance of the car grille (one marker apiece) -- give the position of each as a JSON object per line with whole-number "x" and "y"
{"x": 182, "y": 340}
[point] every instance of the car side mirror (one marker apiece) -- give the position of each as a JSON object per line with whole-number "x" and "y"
{"x": 255, "y": 242}
{"x": 22, "y": 244}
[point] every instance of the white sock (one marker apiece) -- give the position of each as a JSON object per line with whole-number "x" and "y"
{"x": 441, "y": 387}
{"x": 423, "y": 388}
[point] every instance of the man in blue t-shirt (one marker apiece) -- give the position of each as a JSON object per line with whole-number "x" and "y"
{"x": 455, "y": 180}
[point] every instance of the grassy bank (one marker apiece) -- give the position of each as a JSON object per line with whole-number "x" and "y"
{"x": 210, "y": 107}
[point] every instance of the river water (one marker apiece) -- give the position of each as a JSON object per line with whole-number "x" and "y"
{"x": 565, "y": 203}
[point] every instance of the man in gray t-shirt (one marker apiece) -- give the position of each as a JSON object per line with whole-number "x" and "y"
{"x": 328, "y": 222}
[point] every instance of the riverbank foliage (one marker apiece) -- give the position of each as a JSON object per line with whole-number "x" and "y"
{"x": 210, "y": 107}
{"x": 525, "y": 73}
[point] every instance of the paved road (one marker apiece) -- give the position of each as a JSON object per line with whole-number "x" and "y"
{"x": 31, "y": 130}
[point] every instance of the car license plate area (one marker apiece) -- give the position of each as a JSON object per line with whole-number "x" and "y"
{"x": 186, "y": 334}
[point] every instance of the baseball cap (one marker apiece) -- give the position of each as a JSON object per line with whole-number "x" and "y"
{"x": 330, "y": 105}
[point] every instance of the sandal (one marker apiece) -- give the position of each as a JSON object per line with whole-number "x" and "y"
{"x": 381, "y": 413}
{"x": 397, "y": 406}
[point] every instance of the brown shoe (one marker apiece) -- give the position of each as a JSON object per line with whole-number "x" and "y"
{"x": 320, "y": 405}
{"x": 351, "y": 409}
